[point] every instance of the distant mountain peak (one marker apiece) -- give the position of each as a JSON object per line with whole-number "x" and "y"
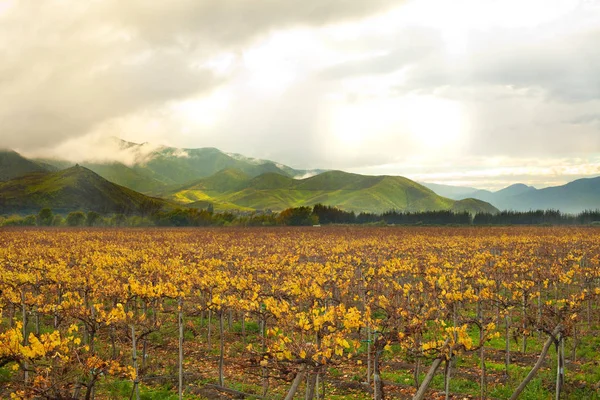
{"x": 7, "y": 151}
{"x": 241, "y": 157}
{"x": 518, "y": 186}
{"x": 78, "y": 169}
{"x": 123, "y": 144}
{"x": 515, "y": 190}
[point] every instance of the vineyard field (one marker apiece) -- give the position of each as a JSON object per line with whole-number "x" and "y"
{"x": 326, "y": 312}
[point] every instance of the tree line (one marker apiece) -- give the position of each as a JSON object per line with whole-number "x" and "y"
{"x": 318, "y": 214}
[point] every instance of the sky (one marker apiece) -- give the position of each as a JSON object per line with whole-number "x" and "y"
{"x": 481, "y": 93}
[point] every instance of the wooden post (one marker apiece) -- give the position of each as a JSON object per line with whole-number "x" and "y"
{"x": 136, "y": 381}
{"x": 221, "y": 349}
{"x": 524, "y": 324}
{"x": 180, "y": 322}
{"x": 25, "y": 338}
{"x": 560, "y": 369}
{"x": 507, "y": 343}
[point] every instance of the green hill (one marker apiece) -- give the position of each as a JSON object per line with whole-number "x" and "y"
{"x": 137, "y": 179}
{"x": 13, "y": 165}
{"x": 473, "y": 205}
{"x": 347, "y": 191}
{"x": 271, "y": 181}
{"x": 75, "y": 188}
{"x": 134, "y": 177}
{"x": 223, "y": 181}
{"x": 337, "y": 180}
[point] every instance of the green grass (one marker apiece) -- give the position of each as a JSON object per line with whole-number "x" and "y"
{"x": 119, "y": 389}
{"x": 5, "y": 374}
{"x": 245, "y": 387}
{"x": 402, "y": 377}
{"x": 251, "y": 327}
{"x": 581, "y": 378}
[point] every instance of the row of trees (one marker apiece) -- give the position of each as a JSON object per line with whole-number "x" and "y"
{"x": 328, "y": 215}
{"x": 46, "y": 217}
{"x": 537, "y": 217}
{"x": 302, "y": 216}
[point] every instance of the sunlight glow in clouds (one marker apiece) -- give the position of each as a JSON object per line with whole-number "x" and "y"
{"x": 437, "y": 124}
{"x": 353, "y": 124}
{"x": 426, "y": 125}
{"x": 559, "y": 173}
{"x": 268, "y": 73}
{"x": 4, "y": 6}
{"x": 202, "y": 112}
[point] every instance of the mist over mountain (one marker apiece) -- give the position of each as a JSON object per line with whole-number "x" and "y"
{"x": 147, "y": 167}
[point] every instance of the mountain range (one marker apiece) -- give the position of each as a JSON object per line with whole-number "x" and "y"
{"x": 573, "y": 197}
{"x": 198, "y": 178}
{"x": 153, "y": 176}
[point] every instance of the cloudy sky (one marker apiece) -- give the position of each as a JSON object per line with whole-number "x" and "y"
{"x": 469, "y": 92}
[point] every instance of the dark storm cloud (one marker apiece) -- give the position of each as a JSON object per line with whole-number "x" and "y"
{"x": 409, "y": 47}
{"x": 68, "y": 102}
{"x": 587, "y": 119}
{"x": 521, "y": 95}
{"x": 564, "y": 68}
{"x": 232, "y": 22}
{"x": 69, "y": 66}
{"x": 68, "y": 72}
